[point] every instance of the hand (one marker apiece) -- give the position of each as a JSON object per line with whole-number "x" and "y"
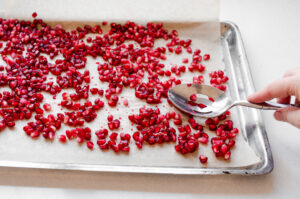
{"x": 282, "y": 89}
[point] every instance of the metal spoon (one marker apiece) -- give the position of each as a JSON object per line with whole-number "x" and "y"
{"x": 180, "y": 96}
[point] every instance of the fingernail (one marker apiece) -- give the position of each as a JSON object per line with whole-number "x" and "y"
{"x": 278, "y": 115}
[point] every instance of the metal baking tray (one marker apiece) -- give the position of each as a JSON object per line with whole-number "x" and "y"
{"x": 251, "y": 123}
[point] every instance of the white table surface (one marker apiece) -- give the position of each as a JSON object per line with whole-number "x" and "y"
{"x": 270, "y": 30}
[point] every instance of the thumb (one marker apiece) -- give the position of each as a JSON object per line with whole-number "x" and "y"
{"x": 289, "y": 114}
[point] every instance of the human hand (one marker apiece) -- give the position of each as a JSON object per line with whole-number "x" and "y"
{"x": 282, "y": 89}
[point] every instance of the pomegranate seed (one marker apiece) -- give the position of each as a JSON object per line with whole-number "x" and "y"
{"x": 185, "y": 60}
{"x": 203, "y": 159}
{"x": 47, "y": 107}
{"x": 101, "y": 142}
{"x": 126, "y": 149}
{"x": 94, "y": 91}
{"x": 235, "y": 131}
{"x": 206, "y": 57}
{"x": 2, "y": 125}
{"x": 178, "y": 50}
{"x": 139, "y": 145}
{"x": 203, "y": 140}
{"x": 39, "y": 111}
{"x": 113, "y": 136}
{"x": 231, "y": 143}
{"x": 212, "y": 127}
{"x": 100, "y": 92}
{"x": 62, "y": 138}
{"x": 193, "y": 97}
{"x": 224, "y": 148}
{"x": 215, "y": 148}
{"x": 79, "y": 140}
{"x": 90, "y": 145}
{"x": 35, "y": 134}
{"x": 10, "y": 124}
{"x": 115, "y": 98}
{"x": 189, "y": 50}
{"x": 110, "y": 118}
{"x": 177, "y": 122}
{"x": 227, "y": 155}
{"x": 34, "y": 15}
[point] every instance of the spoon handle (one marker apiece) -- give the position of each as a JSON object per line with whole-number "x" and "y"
{"x": 265, "y": 105}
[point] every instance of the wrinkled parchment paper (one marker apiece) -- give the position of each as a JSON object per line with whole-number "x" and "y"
{"x": 188, "y": 18}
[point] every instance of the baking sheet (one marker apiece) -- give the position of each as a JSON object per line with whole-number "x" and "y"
{"x": 19, "y": 147}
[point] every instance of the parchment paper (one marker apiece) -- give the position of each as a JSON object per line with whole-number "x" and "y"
{"x": 16, "y": 145}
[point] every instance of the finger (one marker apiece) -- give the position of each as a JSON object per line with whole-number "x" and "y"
{"x": 285, "y": 100}
{"x": 289, "y": 114}
{"x": 292, "y": 72}
{"x": 279, "y": 89}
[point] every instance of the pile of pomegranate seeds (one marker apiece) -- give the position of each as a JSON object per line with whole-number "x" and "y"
{"x": 218, "y": 79}
{"x": 40, "y": 59}
{"x": 154, "y": 128}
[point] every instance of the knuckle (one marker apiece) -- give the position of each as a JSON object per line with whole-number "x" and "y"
{"x": 294, "y": 86}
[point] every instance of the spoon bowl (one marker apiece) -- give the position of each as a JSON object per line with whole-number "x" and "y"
{"x": 210, "y": 101}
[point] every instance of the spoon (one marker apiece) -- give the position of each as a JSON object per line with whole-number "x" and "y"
{"x": 180, "y": 97}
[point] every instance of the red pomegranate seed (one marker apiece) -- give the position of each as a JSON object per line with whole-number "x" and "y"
{"x": 185, "y": 60}
{"x": 100, "y": 92}
{"x": 34, "y": 15}
{"x": 35, "y": 134}
{"x": 231, "y": 134}
{"x": 212, "y": 127}
{"x": 47, "y": 107}
{"x": 94, "y": 91}
{"x": 101, "y": 142}
{"x": 114, "y": 98}
{"x": 11, "y": 124}
{"x": 79, "y": 140}
{"x": 231, "y": 143}
{"x": 227, "y": 155}
{"x": 126, "y": 149}
{"x": 235, "y": 131}
{"x": 113, "y": 136}
{"x": 39, "y": 111}
{"x": 116, "y": 123}
{"x": 62, "y": 138}
{"x": 224, "y": 148}
{"x": 104, "y": 146}
{"x": 110, "y": 118}
{"x": 139, "y": 145}
{"x": 112, "y": 103}
{"x": 90, "y": 145}
{"x": 178, "y": 50}
{"x": 203, "y": 159}
{"x": 203, "y": 140}
{"x": 2, "y": 125}
{"x": 193, "y": 97}
{"x": 189, "y": 50}
{"x": 177, "y": 122}
{"x": 215, "y": 148}
{"x": 206, "y": 57}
